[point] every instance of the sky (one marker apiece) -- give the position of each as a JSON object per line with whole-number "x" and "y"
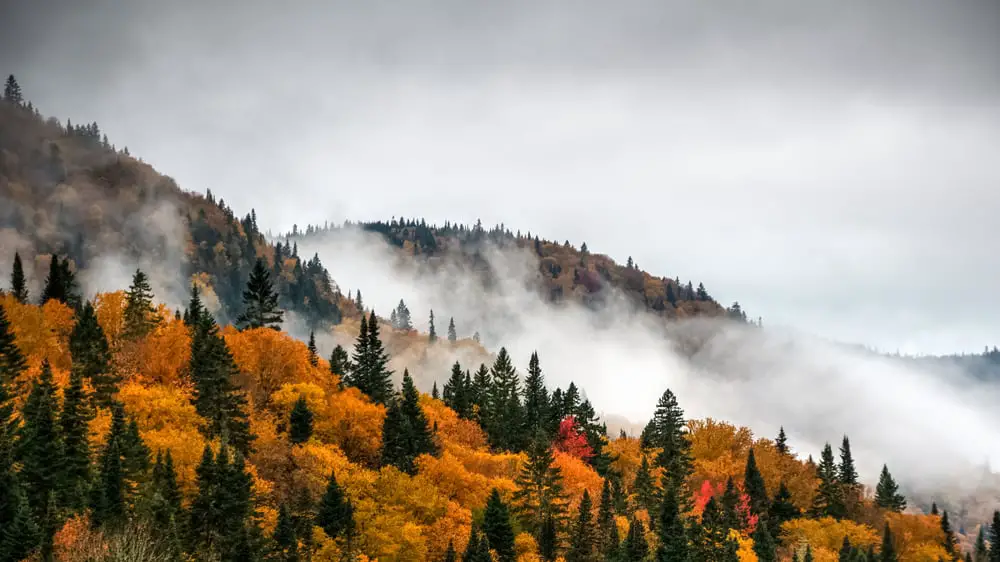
{"x": 831, "y": 165}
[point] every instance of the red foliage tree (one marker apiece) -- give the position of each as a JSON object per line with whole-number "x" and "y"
{"x": 571, "y": 440}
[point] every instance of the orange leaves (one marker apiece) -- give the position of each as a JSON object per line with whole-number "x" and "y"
{"x": 450, "y": 427}
{"x": 827, "y": 534}
{"x": 354, "y": 423}
{"x": 41, "y": 332}
{"x": 165, "y": 353}
{"x": 455, "y": 482}
{"x": 268, "y": 359}
{"x": 577, "y": 477}
{"x": 628, "y": 456}
{"x": 918, "y": 538}
{"x": 110, "y": 308}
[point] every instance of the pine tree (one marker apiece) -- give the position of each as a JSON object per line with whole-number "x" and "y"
{"x": 763, "y": 543}
{"x": 402, "y": 317}
{"x": 635, "y": 548}
{"x": 405, "y": 431}
{"x": 982, "y": 552}
{"x": 286, "y": 544}
{"x": 140, "y": 315}
{"x": 888, "y": 553}
{"x": 809, "y": 554}
{"x": 733, "y": 517}
{"x": 196, "y": 310}
{"x": 57, "y": 285}
{"x": 478, "y": 547}
{"x": 828, "y": 501}
{"x": 165, "y": 494}
{"x": 369, "y": 373}
{"x": 340, "y": 363}
{"x": 40, "y": 447}
{"x": 300, "y": 424}
{"x": 536, "y": 398}
{"x": 670, "y": 529}
{"x": 505, "y": 415}
{"x": 497, "y": 527}
{"x": 335, "y": 514}
{"x": 607, "y": 528}
{"x": 260, "y": 301}
{"x": 12, "y": 91}
{"x": 311, "y": 347}
{"x": 754, "y": 486}
{"x": 950, "y": 542}
{"x": 452, "y": 334}
{"x": 887, "y": 494}
{"x": 585, "y": 539}
{"x": 456, "y": 393}
{"x": 539, "y": 493}
{"x": 645, "y": 491}
{"x": 92, "y": 356}
{"x": 847, "y": 474}
{"x": 432, "y": 333}
{"x": 12, "y": 365}
{"x": 670, "y": 433}
{"x": 76, "y": 447}
{"x": 548, "y": 539}
{"x": 18, "y": 283}
{"x": 781, "y": 443}
{"x": 995, "y": 538}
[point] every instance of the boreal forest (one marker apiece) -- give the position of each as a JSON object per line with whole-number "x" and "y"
{"x": 189, "y": 424}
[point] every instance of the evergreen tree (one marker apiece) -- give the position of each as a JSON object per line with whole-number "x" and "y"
{"x": 405, "y": 431}
{"x": 763, "y": 543}
{"x": 59, "y": 283}
{"x": 300, "y": 424}
{"x": 91, "y": 355}
{"x": 456, "y": 393}
{"x": 585, "y": 539}
{"x": 164, "y": 499}
{"x": 369, "y": 373}
{"x": 40, "y": 447}
{"x": 140, "y": 315}
{"x": 847, "y": 474}
{"x": 733, "y": 517}
{"x": 19, "y": 535}
{"x": 645, "y": 491}
{"x": 340, "y": 363}
{"x": 434, "y": 391}
{"x": 450, "y": 555}
{"x": 311, "y": 347}
{"x": 809, "y": 554}
{"x": 478, "y": 547}
{"x": 76, "y": 447}
{"x": 505, "y": 415}
{"x": 196, "y": 310}
{"x": 634, "y": 547}
{"x": 286, "y": 544}
{"x": 846, "y": 553}
{"x": 452, "y": 334}
{"x": 782, "y": 509}
{"x": 606, "y": 526}
{"x": 107, "y": 497}
{"x": 950, "y": 542}
{"x": 888, "y": 553}
{"x": 539, "y": 495}
{"x": 995, "y": 538}
{"x": 18, "y": 283}
{"x": 12, "y": 365}
{"x": 479, "y": 394}
{"x": 781, "y": 443}
{"x": 887, "y": 494}
{"x": 753, "y": 485}
{"x": 216, "y": 396}
{"x": 536, "y": 398}
{"x": 548, "y": 539}
{"x": 497, "y": 527}
{"x": 982, "y": 552}
{"x": 12, "y": 91}
{"x": 432, "y": 333}
{"x": 335, "y": 514}
{"x": 670, "y": 434}
{"x": 829, "y": 501}
{"x": 670, "y": 529}
{"x": 260, "y": 301}
{"x": 402, "y": 317}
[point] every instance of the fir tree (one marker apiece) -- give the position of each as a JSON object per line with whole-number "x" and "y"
{"x": 829, "y": 501}
{"x": 669, "y": 433}
{"x": 539, "y": 495}
{"x": 753, "y": 485}
{"x": 584, "y": 540}
{"x": 340, "y": 363}
{"x": 452, "y": 334}
{"x": 76, "y": 447}
{"x": 670, "y": 529}
{"x": 18, "y": 283}
{"x": 19, "y": 535}
{"x": 781, "y": 443}
{"x": 432, "y": 333}
{"x": 505, "y": 415}
{"x": 300, "y": 424}
{"x": 286, "y": 544}
{"x": 995, "y": 538}
{"x": 56, "y": 285}
{"x": 497, "y": 527}
{"x": 311, "y": 347}
{"x": 107, "y": 497}
{"x": 12, "y": 365}
{"x": 606, "y": 526}
{"x": 405, "y": 431}
{"x": 536, "y": 399}
{"x": 847, "y": 551}
{"x": 887, "y": 494}
{"x": 335, "y": 514}
{"x": 809, "y": 554}
{"x": 888, "y": 553}
{"x": 478, "y": 547}
{"x": 733, "y": 517}
{"x": 195, "y": 311}
{"x": 165, "y": 494}
{"x": 369, "y": 372}
{"x": 92, "y": 356}
{"x": 140, "y": 315}
{"x": 548, "y": 539}
{"x": 12, "y": 91}
{"x": 982, "y": 552}
{"x": 402, "y": 317}
{"x": 260, "y": 301}
{"x": 950, "y": 542}
{"x": 40, "y": 447}
{"x": 456, "y": 393}
{"x": 634, "y": 547}
{"x": 846, "y": 473}
{"x": 645, "y": 491}
{"x": 435, "y": 394}
{"x": 479, "y": 394}
{"x": 763, "y": 543}
{"x": 782, "y": 509}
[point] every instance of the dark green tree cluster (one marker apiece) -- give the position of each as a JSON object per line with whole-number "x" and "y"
{"x": 400, "y": 317}
{"x": 60, "y": 284}
{"x": 369, "y": 371}
{"x": 405, "y": 431}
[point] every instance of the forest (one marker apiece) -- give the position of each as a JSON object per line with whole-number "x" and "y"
{"x": 133, "y": 430}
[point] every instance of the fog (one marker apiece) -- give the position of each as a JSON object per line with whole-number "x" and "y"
{"x": 927, "y": 426}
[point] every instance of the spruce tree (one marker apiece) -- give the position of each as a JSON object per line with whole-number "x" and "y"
{"x": 432, "y": 333}
{"x": 782, "y": 508}
{"x": 340, "y": 363}
{"x": 456, "y": 393}
{"x": 644, "y": 489}
{"x": 584, "y": 543}
{"x": 606, "y": 526}
{"x": 76, "y": 447}
{"x": 434, "y": 391}
{"x": 286, "y": 544}
{"x": 370, "y": 373}
{"x": 763, "y": 543}
{"x": 140, "y": 315}
{"x": 91, "y": 355}
{"x": 829, "y": 501}
{"x": 950, "y": 542}
{"x": 995, "y": 538}
{"x": 888, "y": 553}
{"x": 55, "y": 287}
{"x": 846, "y": 553}
{"x": 505, "y": 415}
{"x": 164, "y": 495}
{"x": 497, "y": 527}
{"x": 12, "y": 365}
{"x": 335, "y": 514}
{"x": 40, "y": 447}
{"x": 548, "y": 539}
{"x": 311, "y": 347}
{"x": 18, "y": 283}
{"x": 12, "y": 91}
{"x": 670, "y": 529}
{"x": 847, "y": 474}
{"x": 452, "y": 334}
{"x": 19, "y": 535}
{"x": 781, "y": 443}
{"x": 539, "y": 493}
{"x": 536, "y": 398}
{"x": 887, "y": 494}
{"x": 670, "y": 434}
{"x": 479, "y": 394}
{"x": 300, "y": 424}
{"x": 754, "y": 487}
{"x": 260, "y": 301}
{"x": 107, "y": 496}
{"x": 982, "y": 552}
{"x": 733, "y": 517}
{"x": 634, "y": 547}
{"x": 405, "y": 431}
{"x": 196, "y": 310}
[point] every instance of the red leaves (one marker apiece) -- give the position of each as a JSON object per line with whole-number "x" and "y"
{"x": 571, "y": 440}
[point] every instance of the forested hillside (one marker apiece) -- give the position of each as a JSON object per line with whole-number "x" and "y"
{"x": 133, "y": 430}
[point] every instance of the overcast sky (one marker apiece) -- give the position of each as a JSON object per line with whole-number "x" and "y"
{"x": 834, "y": 165}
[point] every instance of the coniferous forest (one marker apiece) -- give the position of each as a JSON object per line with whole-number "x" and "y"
{"x": 130, "y": 430}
